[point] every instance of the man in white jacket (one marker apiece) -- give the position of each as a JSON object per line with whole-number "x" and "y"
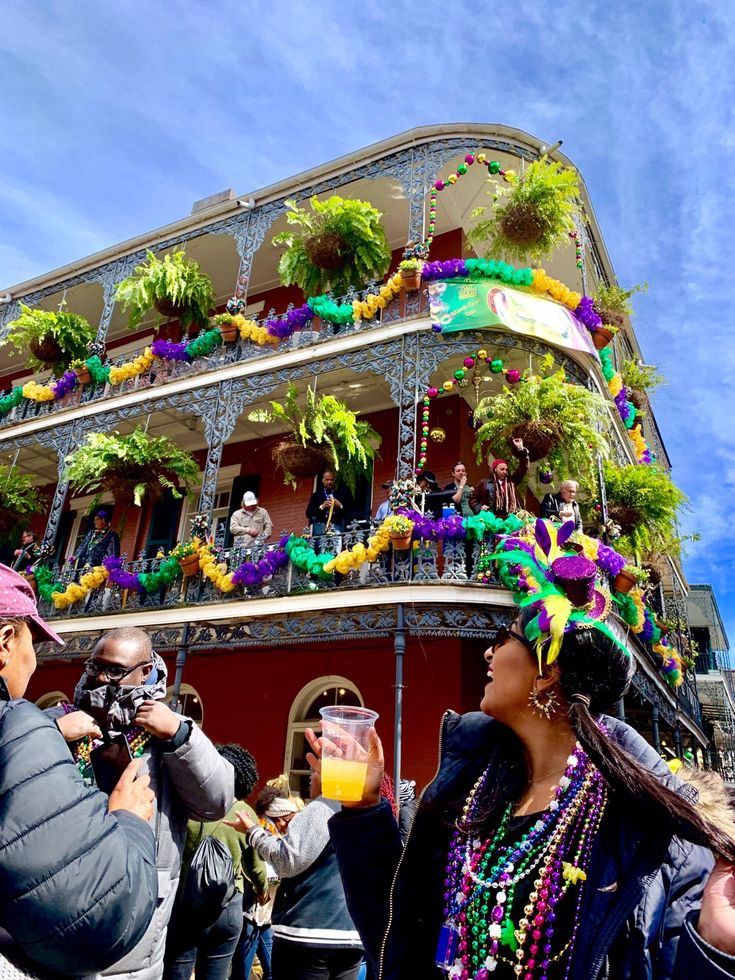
{"x": 251, "y": 524}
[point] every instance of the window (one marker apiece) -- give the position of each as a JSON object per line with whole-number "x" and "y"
{"x": 190, "y": 704}
{"x": 222, "y": 507}
{"x": 305, "y": 714}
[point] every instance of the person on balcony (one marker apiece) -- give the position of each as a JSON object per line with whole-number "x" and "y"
{"x": 251, "y": 524}
{"x": 98, "y": 543}
{"x": 497, "y": 493}
{"x": 326, "y": 510}
{"x": 385, "y": 508}
{"x": 461, "y": 490}
{"x": 78, "y": 885}
{"x": 121, "y": 696}
{"x": 553, "y": 840}
{"x": 27, "y": 552}
{"x": 429, "y": 497}
{"x": 562, "y": 506}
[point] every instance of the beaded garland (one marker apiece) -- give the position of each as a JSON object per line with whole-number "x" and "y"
{"x": 482, "y": 878}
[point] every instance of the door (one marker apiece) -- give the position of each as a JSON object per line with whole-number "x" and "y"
{"x": 240, "y": 485}
{"x": 163, "y": 526}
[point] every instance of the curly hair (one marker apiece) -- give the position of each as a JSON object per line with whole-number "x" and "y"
{"x": 265, "y": 797}
{"x": 246, "y": 770}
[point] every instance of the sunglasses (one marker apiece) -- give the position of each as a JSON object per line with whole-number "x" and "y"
{"x": 114, "y": 672}
{"x": 505, "y": 633}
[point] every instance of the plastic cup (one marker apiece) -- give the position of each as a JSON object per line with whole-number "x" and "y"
{"x": 345, "y": 750}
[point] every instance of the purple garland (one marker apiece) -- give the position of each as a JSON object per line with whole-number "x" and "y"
{"x": 295, "y": 319}
{"x": 626, "y": 409}
{"x": 610, "y": 560}
{"x": 254, "y": 573}
{"x": 451, "y": 269}
{"x": 118, "y": 575}
{"x": 587, "y": 314}
{"x": 433, "y": 529}
{"x": 169, "y": 351}
{"x": 66, "y": 383}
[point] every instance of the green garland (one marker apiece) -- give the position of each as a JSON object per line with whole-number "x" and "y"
{"x": 45, "y": 583}
{"x": 303, "y": 557}
{"x": 167, "y": 572}
{"x": 325, "y": 308}
{"x": 491, "y": 269}
{"x": 9, "y": 402}
{"x": 204, "y": 343}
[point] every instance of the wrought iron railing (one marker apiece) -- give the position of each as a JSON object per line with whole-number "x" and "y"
{"x": 317, "y": 332}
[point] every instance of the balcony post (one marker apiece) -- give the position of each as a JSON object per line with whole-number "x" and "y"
{"x": 62, "y": 440}
{"x": 404, "y": 381}
{"x": 677, "y": 741}
{"x": 399, "y": 646}
{"x": 248, "y": 228}
{"x": 110, "y": 276}
{"x": 654, "y": 728}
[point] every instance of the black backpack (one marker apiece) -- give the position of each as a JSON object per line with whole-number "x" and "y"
{"x": 208, "y": 883}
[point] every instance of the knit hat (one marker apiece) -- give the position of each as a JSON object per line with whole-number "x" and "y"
{"x": 18, "y": 599}
{"x": 281, "y": 806}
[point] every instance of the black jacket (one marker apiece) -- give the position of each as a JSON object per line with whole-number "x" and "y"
{"x": 339, "y": 515}
{"x": 96, "y": 546}
{"x": 640, "y": 929}
{"x": 550, "y": 508}
{"x": 77, "y": 884}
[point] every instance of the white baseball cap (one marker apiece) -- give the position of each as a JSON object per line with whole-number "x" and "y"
{"x": 249, "y": 499}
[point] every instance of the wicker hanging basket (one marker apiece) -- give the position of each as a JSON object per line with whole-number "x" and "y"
{"x": 326, "y": 250}
{"x": 46, "y": 349}
{"x": 612, "y": 318}
{"x": 539, "y": 438}
{"x": 167, "y": 307}
{"x": 626, "y": 517}
{"x": 521, "y": 224}
{"x": 302, "y": 461}
{"x": 638, "y": 398}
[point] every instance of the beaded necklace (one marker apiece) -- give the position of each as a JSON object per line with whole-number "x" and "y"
{"x": 482, "y": 878}
{"x": 136, "y": 737}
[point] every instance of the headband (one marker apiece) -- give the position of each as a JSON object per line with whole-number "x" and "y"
{"x": 281, "y": 806}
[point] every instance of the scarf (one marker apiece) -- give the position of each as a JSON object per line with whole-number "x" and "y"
{"x": 114, "y": 706}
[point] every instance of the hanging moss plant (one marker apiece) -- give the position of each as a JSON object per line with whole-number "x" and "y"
{"x": 530, "y": 215}
{"x": 339, "y": 243}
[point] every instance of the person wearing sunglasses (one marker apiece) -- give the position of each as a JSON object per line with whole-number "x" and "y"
{"x": 553, "y": 842}
{"x": 119, "y": 701}
{"x": 78, "y": 883}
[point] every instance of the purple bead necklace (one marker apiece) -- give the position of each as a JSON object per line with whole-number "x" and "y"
{"x": 557, "y": 849}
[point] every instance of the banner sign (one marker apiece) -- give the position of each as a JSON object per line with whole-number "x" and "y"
{"x": 462, "y": 304}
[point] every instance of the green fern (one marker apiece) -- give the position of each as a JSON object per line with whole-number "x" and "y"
{"x": 550, "y": 189}
{"x": 652, "y": 492}
{"x": 326, "y": 422}
{"x": 176, "y": 280}
{"x": 364, "y": 249}
{"x": 131, "y": 466}
{"x": 71, "y": 332}
{"x": 641, "y": 377}
{"x": 615, "y": 299}
{"x": 19, "y": 500}
{"x": 580, "y": 415}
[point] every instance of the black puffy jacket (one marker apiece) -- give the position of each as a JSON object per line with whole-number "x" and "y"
{"x": 78, "y": 885}
{"x": 639, "y": 912}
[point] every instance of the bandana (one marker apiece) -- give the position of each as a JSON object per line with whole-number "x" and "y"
{"x": 114, "y": 706}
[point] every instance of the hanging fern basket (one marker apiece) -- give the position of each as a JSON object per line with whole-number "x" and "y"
{"x": 627, "y": 517}
{"x": 521, "y": 224}
{"x": 539, "y": 438}
{"x": 612, "y": 318}
{"x": 46, "y": 349}
{"x": 302, "y": 461}
{"x": 326, "y": 250}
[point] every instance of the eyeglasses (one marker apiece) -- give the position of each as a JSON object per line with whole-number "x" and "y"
{"x": 114, "y": 672}
{"x": 505, "y": 633}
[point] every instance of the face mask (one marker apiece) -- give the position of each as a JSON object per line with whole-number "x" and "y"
{"x": 114, "y": 706}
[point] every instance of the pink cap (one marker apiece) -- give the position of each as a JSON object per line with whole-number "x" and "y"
{"x": 18, "y": 599}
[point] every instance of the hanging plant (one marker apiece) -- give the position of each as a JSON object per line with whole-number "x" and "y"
{"x": 50, "y": 339}
{"x": 133, "y": 467}
{"x": 19, "y": 500}
{"x": 562, "y": 422}
{"x": 326, "y": 432}
{"x": 174, "y": 286}
{"x": 340, "y": 243}
{"x": 640, "y": 379}
{"x": 645, "y": 502}
{"x": 531, "y": 215}
{"x": 613, "y": 303}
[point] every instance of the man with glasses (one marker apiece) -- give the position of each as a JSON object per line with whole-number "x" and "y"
{"x": 121, "y": 697}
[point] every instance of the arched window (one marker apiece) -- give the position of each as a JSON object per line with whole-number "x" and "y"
{"x": 52, "y": 699}
{"x": 190, "y": 703}
{"x": 305, "y": 714}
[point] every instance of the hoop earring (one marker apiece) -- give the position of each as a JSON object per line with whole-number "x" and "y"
{"x": 543, "y": 709}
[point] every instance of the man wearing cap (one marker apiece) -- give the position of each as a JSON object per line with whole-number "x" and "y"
{"x": 78, "y": 884}
{"x": 498, "y": 492}
{"x": 251, "y": 523}
{"x": 385, "y": 508}
{"x": 100, "y": 542}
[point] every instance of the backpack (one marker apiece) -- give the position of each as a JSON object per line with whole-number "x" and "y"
{"x": 208, "y": 883}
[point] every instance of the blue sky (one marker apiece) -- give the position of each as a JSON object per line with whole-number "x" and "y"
{"x": 114, "y": 118}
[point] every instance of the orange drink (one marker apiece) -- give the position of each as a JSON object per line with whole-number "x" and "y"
{"x": 343, "y": 779}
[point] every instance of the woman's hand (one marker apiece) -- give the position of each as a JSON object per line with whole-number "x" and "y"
{"x": 76, "y": 725}
{"x": 374, "y": 758}
{"x": 241, "y": 823}
{"x": 717, "y": 915}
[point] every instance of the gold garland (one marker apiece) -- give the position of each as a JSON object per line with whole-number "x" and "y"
{"x": 76, "y": 591}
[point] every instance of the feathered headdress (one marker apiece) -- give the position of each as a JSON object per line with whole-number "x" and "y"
{"x": 548, "y": 571}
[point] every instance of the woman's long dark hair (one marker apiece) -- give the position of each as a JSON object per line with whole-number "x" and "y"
{"x": 594, "y": 666}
